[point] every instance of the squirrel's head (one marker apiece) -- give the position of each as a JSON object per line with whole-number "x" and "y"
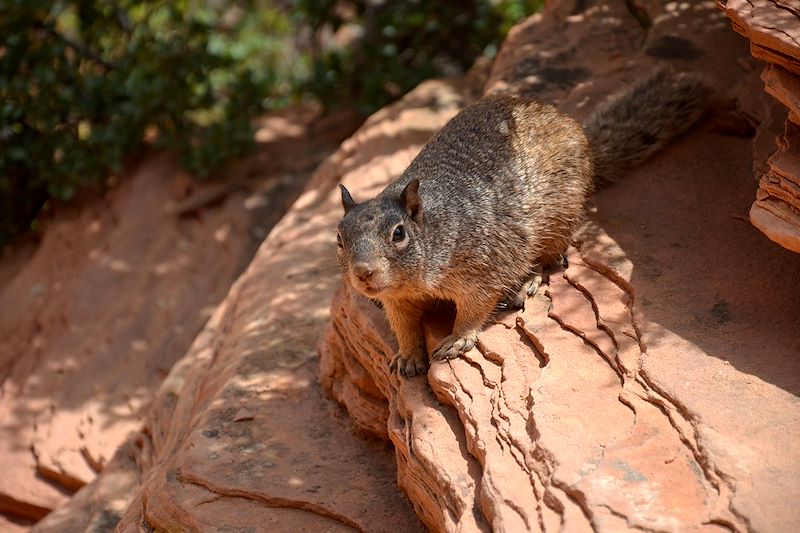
{"x": 379, "y": 249}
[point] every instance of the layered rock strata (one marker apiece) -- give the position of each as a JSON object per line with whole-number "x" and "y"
{"x": 240, "y": 433}
{"x": 773, "y": 28}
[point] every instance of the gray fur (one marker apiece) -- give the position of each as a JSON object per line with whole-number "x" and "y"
{"x": 639, "y": 120}
{"x": 502, "y": 189}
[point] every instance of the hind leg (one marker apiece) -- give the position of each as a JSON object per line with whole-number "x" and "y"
{"x": 516, "y": 300}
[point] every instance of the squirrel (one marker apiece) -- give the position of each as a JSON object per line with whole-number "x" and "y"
{"x": 492, "y": 198}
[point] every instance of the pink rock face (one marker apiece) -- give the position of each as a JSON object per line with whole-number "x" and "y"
{"x": 776, "y": 211}
{"x": 653, "y": 384}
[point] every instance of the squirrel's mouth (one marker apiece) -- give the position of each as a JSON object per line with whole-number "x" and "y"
{"x": 368, "y": 289}
{"x": 371, "y": 291}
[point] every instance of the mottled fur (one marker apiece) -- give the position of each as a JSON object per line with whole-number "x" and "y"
{"x": 495, "y": 195}
{"x": 637, "y": 122}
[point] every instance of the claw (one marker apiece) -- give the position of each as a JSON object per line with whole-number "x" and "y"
{"x": 453, "y": 346}
{"x": 516, "y": 300}
{"x": 534, "y": 284}
{"x": 408, "y": 366}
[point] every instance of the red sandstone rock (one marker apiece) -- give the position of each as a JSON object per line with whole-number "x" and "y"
{"x": 784, "y": 86}
{"x": 653, "y": 384}
{"x": 773, "y": 27}
{"x": 776, "y": 211}
{"x": 765, "y": 115}
{"x": 112, "y": 297}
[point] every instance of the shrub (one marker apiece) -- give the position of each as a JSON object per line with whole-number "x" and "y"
{"x": 82, "y": 81}
{"x": 399, "y": 44}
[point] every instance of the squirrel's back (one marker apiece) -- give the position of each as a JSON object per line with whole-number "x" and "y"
{"x": 508, "y": 177}
{"x": 505, "y": 180}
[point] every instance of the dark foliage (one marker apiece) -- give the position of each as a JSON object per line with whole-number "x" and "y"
{"x": 85, "y": 82}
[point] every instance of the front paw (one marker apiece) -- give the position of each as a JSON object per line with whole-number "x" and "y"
{"x": 409, "y": 365}
{"x": 454, "y": 345}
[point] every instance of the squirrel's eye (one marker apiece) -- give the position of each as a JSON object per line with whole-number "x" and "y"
{"x": 338, "y": 240}
{"x": 399, "y": 233}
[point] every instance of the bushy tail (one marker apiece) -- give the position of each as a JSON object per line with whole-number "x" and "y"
{"x": 639, "y": 120}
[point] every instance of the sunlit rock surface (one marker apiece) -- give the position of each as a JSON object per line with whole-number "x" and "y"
{"x": 114, "y": 295}
{"x": 653, "y": 384}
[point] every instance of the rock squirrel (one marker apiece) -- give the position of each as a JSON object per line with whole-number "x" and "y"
{"x": 494, "y": 196}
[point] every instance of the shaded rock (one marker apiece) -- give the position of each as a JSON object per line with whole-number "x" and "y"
{"x": 763, "y": 114}
{"x": 645, "y": 387}
{"x": 773, "y": 28}
{"x": 113, "y": 295}
{"x": 776, "y": 211}
{"x": 785, "y": 87}
{"x": 13, "y": 524}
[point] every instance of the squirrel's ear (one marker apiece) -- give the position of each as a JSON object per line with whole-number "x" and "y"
{"x": 411, "y": 200}
{"x": 347, "y": 200}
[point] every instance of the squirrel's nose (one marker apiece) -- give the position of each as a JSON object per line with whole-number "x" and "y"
{"x": 362, "y": 271}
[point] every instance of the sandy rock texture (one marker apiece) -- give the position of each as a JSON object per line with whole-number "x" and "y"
{"x": 652, "y": 385}
{"x": 92, "y": 321}
{"x": 773, "y": 28}
{"x": 240, "y": 433}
